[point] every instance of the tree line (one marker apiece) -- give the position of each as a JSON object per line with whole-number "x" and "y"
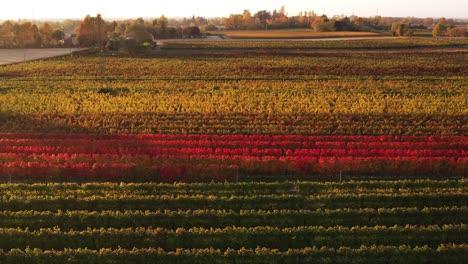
{"x": 321, "y": 23}
{"x": 29, "y": 35}
{"x": 95, "y": 31}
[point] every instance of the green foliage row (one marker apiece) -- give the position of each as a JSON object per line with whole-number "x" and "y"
{"x": 79, "y": 220}
{"x": 264, "y": 202}
{"x": 233, "y": 237}
{"x": 444, "y": 253}
{"x": 231, "y": 188}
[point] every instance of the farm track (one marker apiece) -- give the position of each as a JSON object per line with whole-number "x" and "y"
{"x": 9, "y": 56}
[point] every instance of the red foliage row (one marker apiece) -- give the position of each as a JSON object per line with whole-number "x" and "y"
{"x": 159, "y": 152}
{"x": 219, "y": 138}
{"x": 145, "y": 157}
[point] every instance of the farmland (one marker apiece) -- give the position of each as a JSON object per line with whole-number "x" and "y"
{"x": 231, "y": 222}
{"x": 355, "y": 153}
{"x": 364, "y": 43}
{"x": 294, "y": 34}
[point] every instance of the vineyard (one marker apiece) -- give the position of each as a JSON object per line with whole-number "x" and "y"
{"x": 342, "y": 156}
{"x": 359, "y": 44}
{"x": 285, "y": 222}
{"x": 289, "y": 34}
{"x": 192, "y": 158}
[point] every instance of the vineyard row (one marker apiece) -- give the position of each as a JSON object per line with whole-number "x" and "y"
{"x": 233, "y": 237}
{"x": 80, "y": 220}
{"x": 450, "y": 253}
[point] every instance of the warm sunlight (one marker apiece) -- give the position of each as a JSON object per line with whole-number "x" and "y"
{"x": 39, "y": 9}
{"x": 228, "y": 132}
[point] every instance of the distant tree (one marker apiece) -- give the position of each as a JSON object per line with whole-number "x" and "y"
{"x": 163, "y": 24}
{"x": 58, "y": 35}
{"x": 344, "y": 24}
{"x": 7, "y": 37}
{"x": 428, "y": 21}
{"x": 280, "y": 18}
{"x": 27, "y": 35}
{"x": 401, "y": 29}
{"x": 323, "y": 24}
{"x": 45, "y": 32}
{"x": 442, "y": 21}
{"x": 264, "y": 18}
{"x": 360, "y": 24}
{"x": 111, "y": 26}
{"x": 439, "y": 30}
{"x": 457, "y": 32}
{"x": 70, "y": 26}
{"x": 210, "y": 27}
{"x": 139, "y": 32}
{"x": 191, "y": 32}
{"x": 248, "y": 22}
{"x": 450, "y": 23}
{"x": 235, "y": 21}
{"x": 92, "y": 31}
{"x": 161, "y": 27}
{"x": 200, "y": 21}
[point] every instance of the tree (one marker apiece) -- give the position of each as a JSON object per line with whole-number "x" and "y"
{"x": 27, "y": 35}
{"x": 248, "y": 21}
{"x": 323, "y": 24}
{"x": 439, "y": 30}
{"x": 450, "y": 23}
{"x": 92, "y": 31}
{"x": 46, "y": 34}
{"x": 58, "y": 35}
{"x": 191, "y": 32}
{"x": 264, "y": 18}
{"x": 428, "y": 21}
{"x": 7, "y": 37}
{"x": 280, "y": 18}
{"x": 457, "y": 32}
{"x": 139, "y": 32}
{"x": 160, "y": 27}
{"x": 210, "y": 27}
{"x": 401, "y": 29}
{"x": 70, "y": 26}
{"x": 344, "y": 24}
{"x": 235, "y": 21}
{"x": 442, "y": 21}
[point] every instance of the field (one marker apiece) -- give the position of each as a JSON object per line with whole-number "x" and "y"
{"x": 356, "y": 153}
{"x": 416, "y": 221}
{"x": 290, "y": 34}
{"x": 367, "y": 44}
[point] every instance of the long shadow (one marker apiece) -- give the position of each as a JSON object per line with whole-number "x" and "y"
{"x": 19, "y": 123}
{"x": 235, "y": 123}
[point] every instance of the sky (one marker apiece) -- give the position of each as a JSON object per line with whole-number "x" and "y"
{"x": 42, "y": 9}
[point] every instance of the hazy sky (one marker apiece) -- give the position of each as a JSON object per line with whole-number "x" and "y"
{"x": 37, "y": 9}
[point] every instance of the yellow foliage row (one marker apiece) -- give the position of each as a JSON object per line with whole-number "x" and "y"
{"x": 230, "y": 97}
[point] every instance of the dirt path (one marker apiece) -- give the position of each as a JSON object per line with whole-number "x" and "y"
{"x": 8, "y": 56}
